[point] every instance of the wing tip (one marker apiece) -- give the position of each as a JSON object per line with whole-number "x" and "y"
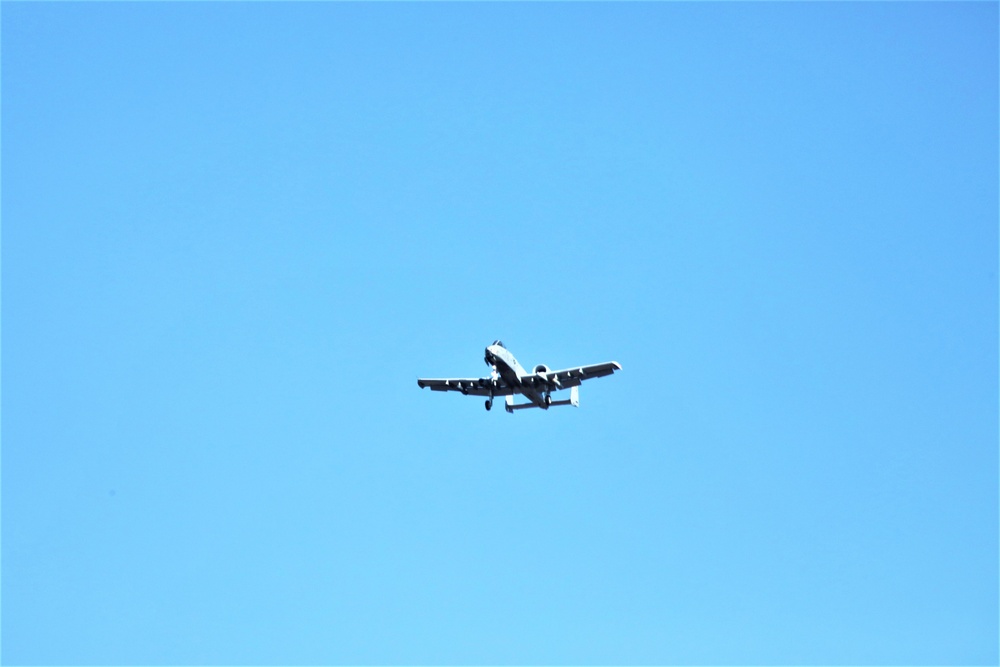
{"x": 616, "y": 365}
{"x": 420, "y": 383}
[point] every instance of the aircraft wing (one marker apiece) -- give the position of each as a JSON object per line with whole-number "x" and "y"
{"x": 571, "y": 377}
{"x": 468, "y": 386}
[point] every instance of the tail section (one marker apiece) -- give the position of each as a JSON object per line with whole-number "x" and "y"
{"x": 574, "y": 400}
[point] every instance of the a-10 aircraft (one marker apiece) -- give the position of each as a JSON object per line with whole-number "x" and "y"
{"x": 509, "y": 377}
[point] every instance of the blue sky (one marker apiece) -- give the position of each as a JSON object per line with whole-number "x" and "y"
{"x": 235, "y": 234}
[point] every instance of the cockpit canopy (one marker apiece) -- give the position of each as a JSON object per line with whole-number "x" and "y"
{"x": 499, "y": 342}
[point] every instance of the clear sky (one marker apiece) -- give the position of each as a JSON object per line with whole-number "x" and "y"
{"x": 234, "y": 235}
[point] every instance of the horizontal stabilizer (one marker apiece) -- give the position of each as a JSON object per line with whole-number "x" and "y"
{"x": 574, "y": 400}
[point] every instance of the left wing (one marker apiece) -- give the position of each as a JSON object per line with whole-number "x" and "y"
{"x": 571, "y": 377}
{"x": 468, "y": 386}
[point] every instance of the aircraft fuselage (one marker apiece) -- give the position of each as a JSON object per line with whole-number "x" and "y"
{"x": 506, "y": 365}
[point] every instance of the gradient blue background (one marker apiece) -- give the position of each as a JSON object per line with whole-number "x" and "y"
{"x": 235, "y": 234}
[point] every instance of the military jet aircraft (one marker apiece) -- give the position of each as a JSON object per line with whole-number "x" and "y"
{"x": 509, "y": 378}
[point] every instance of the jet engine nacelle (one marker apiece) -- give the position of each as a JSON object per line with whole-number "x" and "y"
{"x": 541, "y": 368}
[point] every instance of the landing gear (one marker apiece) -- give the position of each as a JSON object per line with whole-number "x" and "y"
{"x": 548, "y": 400}
{"x": 489, "y": 403}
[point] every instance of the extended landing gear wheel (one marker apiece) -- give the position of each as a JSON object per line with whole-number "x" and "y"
{"x": 489, "y": 404}
{"x": 548, "y": 400}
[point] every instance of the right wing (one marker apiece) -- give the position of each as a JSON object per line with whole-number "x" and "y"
{"x": 468, "y": 386}
{"x": 571, "y": 377}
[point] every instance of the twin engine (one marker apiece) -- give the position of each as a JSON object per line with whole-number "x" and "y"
{"x": 542, "y": 368}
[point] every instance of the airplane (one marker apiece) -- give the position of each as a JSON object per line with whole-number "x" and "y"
{"x": 509, "y": 378}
